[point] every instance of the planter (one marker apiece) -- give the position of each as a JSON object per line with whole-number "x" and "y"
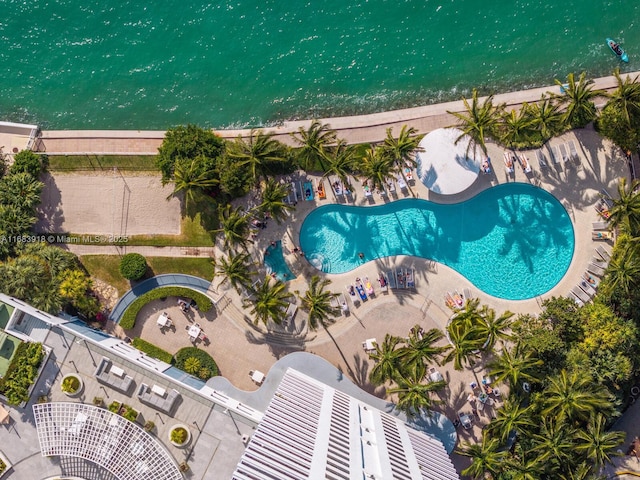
{"x": 179, "y": 435}
{"x": 5, "y": 465}
{"x": 72, "y": 385}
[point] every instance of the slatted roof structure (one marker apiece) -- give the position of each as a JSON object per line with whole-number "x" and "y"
{"x": 312, "y": 431}
{"x": 104, "y": 438}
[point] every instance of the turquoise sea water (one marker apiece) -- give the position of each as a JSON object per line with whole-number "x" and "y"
{"x": 513, "y": 241}
{"x": 151, "y": 65}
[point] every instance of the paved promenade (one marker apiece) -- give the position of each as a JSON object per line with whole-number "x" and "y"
{"x": 354, "y": 129}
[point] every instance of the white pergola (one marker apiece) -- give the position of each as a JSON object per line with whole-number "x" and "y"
{"x": 104, "y": 438}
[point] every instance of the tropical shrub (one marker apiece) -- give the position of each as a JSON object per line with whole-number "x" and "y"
{"x": 149, "y": 425}
{"x": 128, "y": 320}
{"x": 152, "y": 350}
{"x": 191, "y": 365}
{"x": 179, "y": 435}
{"x": 28, "y": 162}
{"x": 186, "y": 356}
{"x": 133, "y": 266}
{"x": 22, "y": 373}
{"x": 70, "y": 384}
{"x": 3, "y": 466}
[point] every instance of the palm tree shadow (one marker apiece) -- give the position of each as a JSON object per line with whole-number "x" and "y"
{"x": 362, "y": 377}
{"x": 279, "y": 344}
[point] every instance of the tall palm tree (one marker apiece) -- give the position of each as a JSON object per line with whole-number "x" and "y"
{"x": 376, "y": 167}
{"x": 578, "y": 100}
{"x": 547, "y": 117}
{"x": 258, "y": 152}
{"x": 494, "y": 329}
{"x": 273, "y": 196}
{"x": 420, "y": 350}
{"x": 402, "y": 150}
{"x": 513, "y": 416}
{"x": 596, "y": 444}
{"x": 191, "y": 180}
{"x": 623, "y": 271}
{"x": 626, "y": 98}
{"x": 387, "y": 361}
{"x": 574, "y": 396}
{"x": 525, "y": 465}
{"x": 234, "y": 226}
{"x": 414, "y": 397}
{"x": 625, "y": 212}
{"x": 515, "y": 365}
{"x": 315, "y": 144}
{"x": 487, "y": 459}
{"x": 555, "y": 442}
{"x": 516, "y": 126}
{"x": 269, "y": 302}
{"x": 21, "y": 190}
{"x": 465, "y": 345}
{"x": 340, "y": 162}
{"x": 317, "y": 303}
{"x": 477, "y": 121}
{"x": 235, "y": 269}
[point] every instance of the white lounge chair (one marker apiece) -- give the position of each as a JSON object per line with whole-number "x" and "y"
{"x": 542, "y": 161}
{"x": 578, "y": 292}
{"x": 508, "y": 162}
{"x": 572, "y": 150}
{"x": 467, "y": 294}
{"x": 563, "y": 152}
{"x": 601, "y": 235}
{"x": 603, "y": 253}
{"x": 391, "y": 186}
{"x": 573, "y": 297}
{"x": 526, "y": 167}
{"x": 600, "y": 225}
{"x": 555, "y": 154}
{"x": 586, "y": 288}
{"x": 595, "y": 269}
{"x": 590, "y": 279}
{"x": 401, "y": 183}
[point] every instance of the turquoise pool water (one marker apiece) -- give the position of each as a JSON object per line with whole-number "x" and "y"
{"x": 513, "y": 241}
{"x": 274, "y": 261}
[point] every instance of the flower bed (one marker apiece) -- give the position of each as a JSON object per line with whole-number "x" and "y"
{"x": 22, "y": 373}
{"x": 207, "y": 365}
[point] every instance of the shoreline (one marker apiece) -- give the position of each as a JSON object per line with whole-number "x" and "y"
{"x": 354, "y": 129}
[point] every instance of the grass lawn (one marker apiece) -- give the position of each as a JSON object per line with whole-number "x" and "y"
{"x": 105, "y": 267}
{"x": 72, "y": 163}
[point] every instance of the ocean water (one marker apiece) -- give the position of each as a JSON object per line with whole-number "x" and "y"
{"x": 151, "y": 65}
{"x": 513, "y": 241}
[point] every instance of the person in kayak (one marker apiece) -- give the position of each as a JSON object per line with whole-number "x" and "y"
{"x": 615, "y": 47}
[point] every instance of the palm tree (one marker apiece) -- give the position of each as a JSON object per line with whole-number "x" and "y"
{"x": 516, "y": 126}
{"x": 387, "y": 362}
{"x": 596, "y": 444}
{"x": 623, "y": 271}
{"x": 515, "y": 365}
{"x": 376, "y": 167}
{"x": 626, "y": 98}
{"x": 191, "y": 180}
{"x": 555, "y": 442}
{"x": 478, "y": 121}
{"x": 525, "y": 466}
{"x": 511, "y": 417}
{"x": 269, "y": 302}
{"x": 486, "y": 458}
{"x": 317, "y": 303}
{"x": 14, "y": 221}
{"x": 235, "y": 269}
{"x": 340, "y": 162}
{"x": 574, "y": 396}
{"x": 257, "y": 152}
{"x": 234, "y": 226}
{"x": 315, "y": 144}
{"x": 402, "y": 150}
{"x": 273, "y": 196}
{"x": 547, "y": 117}
{"x": 419, "y": 350}
{"x": 625, "y": 212}
{"x": 465, "y": 343}
{"x": 21, "y": 190}
{"x": 414, "y": 397}
{"x": 494, "y": 329}
{"x": 578, "y": 100}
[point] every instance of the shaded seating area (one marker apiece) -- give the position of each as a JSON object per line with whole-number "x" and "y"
{"x": 113, "y": 376}
{"x": 158, "y": 397}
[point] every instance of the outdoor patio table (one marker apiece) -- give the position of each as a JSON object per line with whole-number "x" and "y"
{"x": 370, "y": 344}
{"x": 162, "y": 319}
{"x": 483, "y": 397}
{"x": 158, "y": 390}
{"x": 194, "y": 331}
{"x": 257, "y": 376}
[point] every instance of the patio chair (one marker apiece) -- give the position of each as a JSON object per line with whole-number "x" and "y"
{"x": 572, "y": 150}
{"x": 555, "y": 155}
{"x": 603, "y": 253}
{"x": 542, "y": 161}
{"x": 595, "y": 269}
{"x": 600, "y": 225}
{"x": 563, "y": 152}
{"x": 578, "y": 292}
{"x": 573, "y": 297}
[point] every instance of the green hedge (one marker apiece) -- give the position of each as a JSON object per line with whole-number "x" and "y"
{"x": 153, "y": 351}
{"x": 128, "y": 320}
{"x": 22, "y": 373}
{"x": 206, "y": 361}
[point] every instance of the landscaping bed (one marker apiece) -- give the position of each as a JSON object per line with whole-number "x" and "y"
{"x": 196, "y": 362}
{"x": 152, "y": 350}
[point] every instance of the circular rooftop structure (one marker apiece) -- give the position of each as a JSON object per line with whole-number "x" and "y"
{"x": 445, "y": 167}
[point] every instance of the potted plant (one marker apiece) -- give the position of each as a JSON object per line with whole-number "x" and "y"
{"x": 114, "y": 406}
{"x": 98, "y": 401}
{"x": 183, "y": 467}
{"x": 149, "y": 425}
{"x": 179, "y": 435}
{"x": 72, "y": 385}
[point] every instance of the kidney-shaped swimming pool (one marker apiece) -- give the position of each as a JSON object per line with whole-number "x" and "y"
{"x": 513, "y": 241}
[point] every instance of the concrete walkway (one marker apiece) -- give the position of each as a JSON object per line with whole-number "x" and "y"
{"x": 353, "y": 129}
